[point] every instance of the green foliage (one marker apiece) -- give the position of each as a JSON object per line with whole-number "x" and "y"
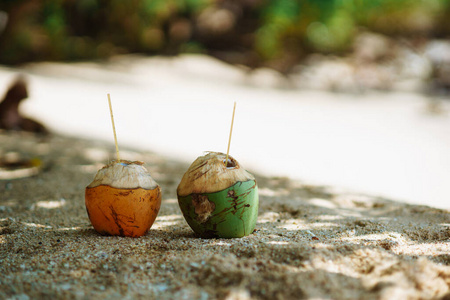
{"x": 329, "y": 25}
{"x": 90, "y": 29}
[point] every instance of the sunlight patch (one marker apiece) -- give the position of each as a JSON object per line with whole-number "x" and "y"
{"x": 322, "y": 203}
{"x": 386, "y": 236}
{"x": 271, "y": 193}
{"x": 268, "y": 217}
{"x": 51, "y": 204}
{"x": 329, "y": 217}
{"x": 171, "y": 201}
{"x": 299, "y": 225}
{"x": 165, "y": 221}
{"x": 37, "y": 225}
{"x": 96, "y": 154}
{"x": 169, "y": 218}
{"x": 289, "y": 227}
{"x": 434, "y": 249}
{"x": 277, "y": 243}
{"x": 69, "y": 228}
{"x": 222, "y": 243}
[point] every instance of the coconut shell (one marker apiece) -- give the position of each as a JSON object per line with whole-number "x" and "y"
{"x": 124, "y": 212}
{"x": 216, "y": 200}
{"x": 116, "y": 202}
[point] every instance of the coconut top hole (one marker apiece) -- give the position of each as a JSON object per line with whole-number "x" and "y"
{"x": 231, "y": 163}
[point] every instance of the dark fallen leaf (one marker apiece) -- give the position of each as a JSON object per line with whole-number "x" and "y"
{"x": 19, "y": 168}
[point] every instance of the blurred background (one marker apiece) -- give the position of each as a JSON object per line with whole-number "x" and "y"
{"x": 276, "y": 33}
{"x": 348, "y": 93}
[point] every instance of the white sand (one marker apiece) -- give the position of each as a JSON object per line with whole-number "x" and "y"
{"x": 379, "y": 143}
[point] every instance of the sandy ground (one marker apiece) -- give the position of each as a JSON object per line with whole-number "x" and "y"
{"x": 311, "y": 242}
{"x": 392, "y": 144}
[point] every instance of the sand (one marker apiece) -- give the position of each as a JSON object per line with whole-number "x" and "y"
{"x": 311, "y": 242}
{"x": 391, "y": 143}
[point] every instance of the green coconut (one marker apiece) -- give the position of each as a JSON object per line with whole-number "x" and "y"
{"x": 218, "y": 199}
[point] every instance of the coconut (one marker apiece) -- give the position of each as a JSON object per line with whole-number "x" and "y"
{"x": 123, "y": 199}
{"x": 218, "y": 198}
